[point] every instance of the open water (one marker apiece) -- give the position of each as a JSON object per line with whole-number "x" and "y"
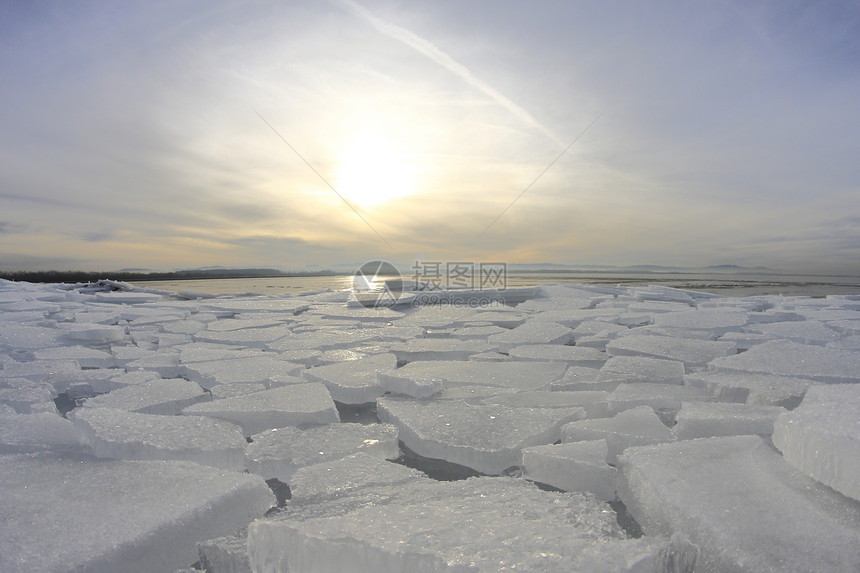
{"x": 719, "y": 283}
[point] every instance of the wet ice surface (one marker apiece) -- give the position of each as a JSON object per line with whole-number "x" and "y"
{"x": 144, "y": 432}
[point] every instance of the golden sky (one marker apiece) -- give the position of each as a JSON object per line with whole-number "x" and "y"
{"x": 149, "y": 134}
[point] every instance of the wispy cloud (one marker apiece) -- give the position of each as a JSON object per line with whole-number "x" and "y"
{"x": 430, "y": 50}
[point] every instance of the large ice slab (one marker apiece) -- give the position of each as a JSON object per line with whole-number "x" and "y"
{"x": 656, "y": 370}
{"x": 660, "y": 397}
{"x": 85, "y": 357}
{"x": 571, "y": 355}
{"x": 438, "y": 349}
{"x": 43, "y": 431}
{"x": 325, "y": 339}
{"x": 125, "y": 297}
{"x": 294, "y": 405}
{"x": 595, "y": 403}
{"x": 84, "y": 514}
{"x": 741, "y": 504}
{"x": 585, "y": 378}
{"x": 353, "y": 476}
{"x": 412, "y": 386}
{"x": 26, "y": 396}
{"x": 228, "y": 554}
{"x": 710, "y": 419}
{"x": 251, "y": 337}
{"x": 123, "y": 435}
{"x": 98, "y": 334}
{"x": 261, "y": 369}
{"x": 250, "y": 304}
{"x": 512, "y": 375}
{"x": 486, "y": 438}
{"x": 718, "y": 321}
{"x": 532, "y": 332}
{"x": 690, "y": 351}
{"x": 635, "y": 427}
{"x": 39, "y": 371}
{"x": 575, "y": 466}
{"x": 166, "y": 364}
{"x": 479, "y": 524}
{"x": 279, "y": 452}
{"x": 98, "y": 379}
{"x": 802, "y": 331}
{"x": 25, "y": 337}
{"x": 787, "y": 358}
{"x": 821, "y": 437}
{"x": 353, "y": 381}
{"x": 750, "y": 388}
{"x": 159, "y": 396}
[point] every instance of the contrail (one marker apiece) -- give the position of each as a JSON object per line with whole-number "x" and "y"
{"x": 428, "y": 49}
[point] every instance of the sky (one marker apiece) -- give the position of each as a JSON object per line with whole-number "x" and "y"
{"x": 168, "y": 135}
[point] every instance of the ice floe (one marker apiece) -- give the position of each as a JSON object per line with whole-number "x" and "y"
{"x": 821, "y": 437}
{"x": 146, "y": 431}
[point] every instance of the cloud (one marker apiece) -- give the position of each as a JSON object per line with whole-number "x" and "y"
{"x": 430, "y": 50}
{"x": 130, "y": 135}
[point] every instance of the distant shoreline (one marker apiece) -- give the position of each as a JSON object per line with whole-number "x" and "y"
{"x": 640, "y": 272}
{"x": 125, "y": 276}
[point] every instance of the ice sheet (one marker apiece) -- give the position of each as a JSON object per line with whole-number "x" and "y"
{"x": 123, "y": 435}
{"x": 710, "y": 419}
{"x": 594, "y": 403}
{"x": 479, "y": 524}
{"x": 42, "y": 431}
{"x": 438, "y": 349}
{"x": 251, "y": 338}
{"x": 279, "y": 452}
{"x": 575, "y": 466}
{"x": 84, "y": 514}
{"x": 584, "y": 378}
{"x": 635, "y": 427}
{"x": 570, "y": 355}
{"x": 225, "y": 554}
{"x": 742, "y": 504}
{"x": 294, "y": 405}
{"x": 655, "y": 370}
{"x": 750, "y": 388}
{"x": 821, "y": 437}
{"x": 660, "y": 397}
{"x": 689, "y": 351}
{"x": 346, "y": 476}
{"x": 532, "y": 332}
{"x": 487, "y": 438}
{"x": 160, "y": 396}
{"x": 805, "y": 331}
{"x": 257, "y": 369}
{"x": 788, "y": 358}
{"x": 84, "y": 356}
{"x": 719, "y": 321}
{"x": 355, "y": 381}
{"x": 513, "y": 375}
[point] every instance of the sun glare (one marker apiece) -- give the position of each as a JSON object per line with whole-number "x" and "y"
{"x": 372, "y": 171}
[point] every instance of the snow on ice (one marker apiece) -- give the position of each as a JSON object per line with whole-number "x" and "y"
{"x": 586, "y": 428}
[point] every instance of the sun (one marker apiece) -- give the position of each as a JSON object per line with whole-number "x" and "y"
{"x": 372, "y": 170}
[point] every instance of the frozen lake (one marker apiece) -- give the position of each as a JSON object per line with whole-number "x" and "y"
{"x": 719, "y": 283}
{"x": 601, "y": 427}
